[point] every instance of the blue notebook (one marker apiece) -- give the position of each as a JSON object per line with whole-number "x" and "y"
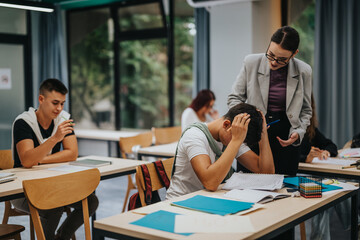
{"x": 160, "y": 220}
{"x": 213, "y": 205}
{"x": 294, "y": 182}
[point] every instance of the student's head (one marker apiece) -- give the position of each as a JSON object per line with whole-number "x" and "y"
{"x": 204, "y": 100}
{"x": 256, "y": 121}
{"x": 283, "y": 46}
{"x": 52, "y": 95}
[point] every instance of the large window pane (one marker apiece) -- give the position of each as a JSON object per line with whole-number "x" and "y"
{"x": 140, "y": 17}
{"x": 184, "y": 32}
{"x": 144, "y": 84}
{"x": 12, "y": 21}
{"x": 92, "y": 81}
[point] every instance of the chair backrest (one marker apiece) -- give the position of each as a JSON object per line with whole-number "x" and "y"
{"x": 6, "y": 160}
{"x": 166, "y": 134}
{"x": 127, "y": 143}
{"x": 58, "y": 191}
{"x": 156, "y": 182}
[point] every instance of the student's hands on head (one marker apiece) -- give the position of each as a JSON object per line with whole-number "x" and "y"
{"x": 239, "y": 127}
{"x": 284, "y": 143}
{"x": 63, "y": 129}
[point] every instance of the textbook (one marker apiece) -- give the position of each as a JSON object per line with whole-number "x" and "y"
{"x": 212, "y": 205}
{"x": 90, "y": 163}
{"x": 6, "y": 177}
{"x": 255, "y": 196}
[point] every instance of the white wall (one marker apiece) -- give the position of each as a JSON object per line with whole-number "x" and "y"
{"x": 237, "y": 30}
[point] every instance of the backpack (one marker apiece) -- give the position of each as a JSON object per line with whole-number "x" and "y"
{"x": 150, "y": 196}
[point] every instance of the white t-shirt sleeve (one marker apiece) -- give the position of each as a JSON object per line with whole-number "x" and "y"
{"x": 194, "y": 143}
{"x": 188, "y": 117}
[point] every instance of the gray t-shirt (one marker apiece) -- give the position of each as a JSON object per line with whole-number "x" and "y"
{"x": 192, "y": 144}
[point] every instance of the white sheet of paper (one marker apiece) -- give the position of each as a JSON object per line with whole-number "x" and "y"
{"x": 212, "y": 224}
{"x": 345, "y": 187}
{"x": 69, "y": 168}
{"x": 334, "y": 161}
{"x": 254, "y": 181}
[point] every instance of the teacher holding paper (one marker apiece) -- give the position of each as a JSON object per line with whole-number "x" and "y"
{"x": 280, "y": 86}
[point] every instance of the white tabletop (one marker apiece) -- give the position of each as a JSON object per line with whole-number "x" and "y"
{"x": 273, "y": 216}
{"x": 166, "y": 150}
{"x": 108, "y": 135}
{"x": 118, "y": 165}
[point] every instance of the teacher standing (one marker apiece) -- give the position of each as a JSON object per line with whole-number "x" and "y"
{"x": 280, "y": 86}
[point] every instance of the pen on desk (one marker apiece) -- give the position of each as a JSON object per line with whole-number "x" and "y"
{"x": 273, "y": 122}
{"x": 350, "y": 166}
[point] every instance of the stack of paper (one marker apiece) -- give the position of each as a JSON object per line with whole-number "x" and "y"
{"x": 254, "y": 181}
{"x": 350, "y": 153}
{"x": 334, "y": 161}
{"x": 6, "y": 177}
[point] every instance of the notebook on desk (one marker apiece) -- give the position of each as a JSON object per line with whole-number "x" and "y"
{"x": 7, "y": 177}
{"x": 90, "y": 163}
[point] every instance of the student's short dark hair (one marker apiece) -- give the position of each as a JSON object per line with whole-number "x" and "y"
{"x": 287, "y": 37}
{"x": 253, "y": 135}
{"x": 52, "y": 84}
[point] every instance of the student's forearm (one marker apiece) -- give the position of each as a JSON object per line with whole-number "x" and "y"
{"x": 217, "y": 171}
{"x": 266, "y": 161}
{"x": 34, "y": 156}
{"x": 66, "y": 155}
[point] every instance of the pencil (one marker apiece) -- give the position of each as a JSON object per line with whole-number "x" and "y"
{"x": 351, "y": 166}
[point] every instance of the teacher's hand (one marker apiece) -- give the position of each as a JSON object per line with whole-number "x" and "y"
{"x": 284, "y": 143}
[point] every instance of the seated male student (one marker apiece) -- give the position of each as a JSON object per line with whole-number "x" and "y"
{"x": 38, "y": 135}
{"x": 196, "y": 166}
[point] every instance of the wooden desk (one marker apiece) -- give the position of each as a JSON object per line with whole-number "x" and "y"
{"x": 14, "y": 189}
{"x": 329, "y": 170}
{"x": 106, "y": 135}
{"x": 277, "y": 217}
{"x": 164, "y": 150}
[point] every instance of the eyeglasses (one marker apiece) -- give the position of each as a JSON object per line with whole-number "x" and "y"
{"x": 281, "y": 62}
{"x": 272, "y": 58}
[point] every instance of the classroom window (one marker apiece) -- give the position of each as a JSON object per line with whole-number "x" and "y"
{"x": 119, "y": 64}
{"x": 144, "y": 83}
{"x": 304, "y": 23}
{"x": 184, "y": 37}
{"x": 91, "y": 58}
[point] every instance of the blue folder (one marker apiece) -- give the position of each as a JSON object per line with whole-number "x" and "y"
{"x": 213, "y": 205}
{"x": 160, "y": 220}
{"x": 294, "y": 182}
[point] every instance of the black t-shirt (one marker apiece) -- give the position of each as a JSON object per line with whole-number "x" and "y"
{"x": 22, "y": 131}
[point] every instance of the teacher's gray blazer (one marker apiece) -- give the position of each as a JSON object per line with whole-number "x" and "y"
{"x": 252, "y": 86}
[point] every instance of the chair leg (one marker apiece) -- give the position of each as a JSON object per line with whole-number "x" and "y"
{"x": 302, "y": 231}
{"x": 17, "y": 237}
{"x": 6, "y": 212}
{"x": 32, "y": 232}
{"x": 131, "y": 185}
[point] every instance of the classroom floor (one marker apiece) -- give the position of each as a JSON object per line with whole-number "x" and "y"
{"x": 111, "y": 194}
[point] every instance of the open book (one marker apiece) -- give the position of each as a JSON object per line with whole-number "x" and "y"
{"x": 255, "y": 196}
{"x": 90, "y": 163}
{"x": 254, "y": 181}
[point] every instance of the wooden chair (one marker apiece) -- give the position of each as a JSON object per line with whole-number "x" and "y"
{"x": 59, "y": 191}
{"x": 7, "y": 162}
{"x": 11, "y": 231}
{"x": 166, "y": 134}
{"x": 156, "y": 183}
{"x": 126, "y": 147}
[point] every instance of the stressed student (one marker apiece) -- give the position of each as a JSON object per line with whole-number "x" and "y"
{"x": 38, "y": 135}
{"x": 199, "y": 160}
